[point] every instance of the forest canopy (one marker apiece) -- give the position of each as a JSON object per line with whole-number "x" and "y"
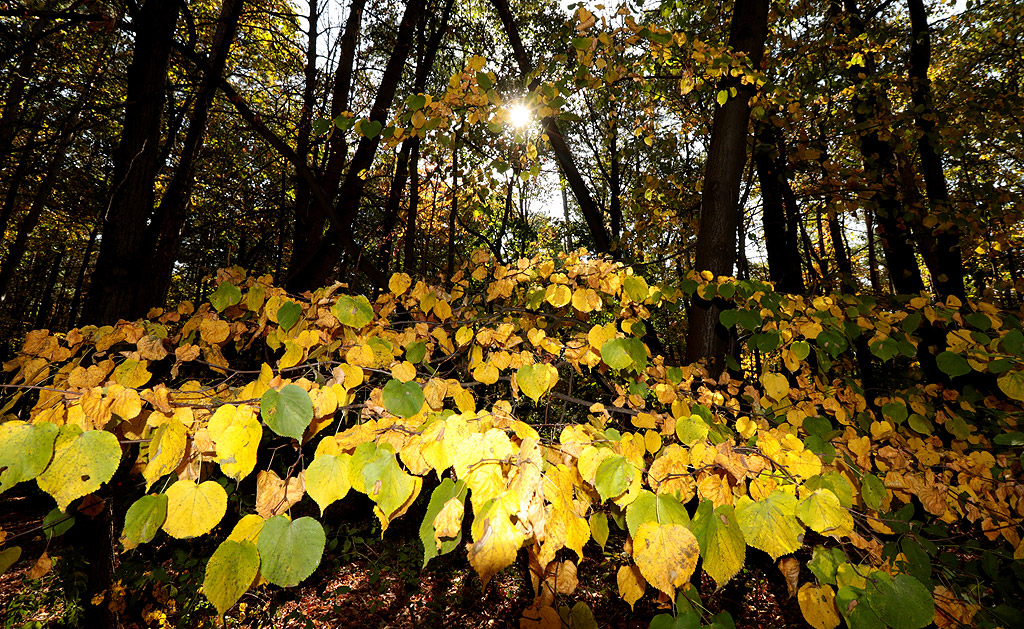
{"x": 703, "y": 286}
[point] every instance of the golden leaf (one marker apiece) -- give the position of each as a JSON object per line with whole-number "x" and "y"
{"x": 818, "y": 604}
{"x": 448, "y": 521}
{"x": 273, "y": 496}
{"x": 666, "y": 555}
{"x": 631, "y": 584}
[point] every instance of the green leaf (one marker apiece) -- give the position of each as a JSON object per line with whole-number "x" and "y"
{"x": 404, "y": 399}
{"x": 25, "y": 451}
{"x": 770, "y": 524}
{"x": 370, "y": 128}
{"x": 896, "y": 411}
{"x": 824, "y": 563}
{"x": 287, "y": 412}
{"x": 919, "y": 423}
{"x": 614, "y": 475}
{"x": 615, "y": 353}
{"x": 380, "y": 477}
{"x": 143, "y": 519}
{"x": 636, "y": 287}
{"x": 660, "y": 508}
{"x": 8, "y": 557}
{"x": 831, "y": 342}
{"x": 1012, "y": 439}
{"x": 57, "y": 523}
{"x": 721, "y": 542}
{"x": 484, "y": 81}
{"x": 229, "y": 573}
{"x": 354, "y": 312}
{"x": 416, "y": 351}
{"x": 227, "y": 294}
{"x": 822, "y": 512}
{"x": 691, "y": 429}
{"x": 952, "y": 364}
{"x": 801, "y": 349}
{"x": 327, "y": 479}
{"x": 722, "y": 97}
{"x": 444, "y": 492}
{"x": 582, "y": 43}
{"x": 903, "y": 603}
{"x": 416, "y": 101}
{"x": 872, "y": 490}
{"x": 750, "y": 319}
{"x": 288, "y": 315}
{"x": 290, "y": 551}
{"x": 885, "y": 349}
{"x": 82, "y": 462}
{"x": 321, "y": 126}
{"x": 599, "y": 528}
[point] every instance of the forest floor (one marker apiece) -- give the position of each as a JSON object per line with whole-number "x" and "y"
{"x": 363, "y": 582}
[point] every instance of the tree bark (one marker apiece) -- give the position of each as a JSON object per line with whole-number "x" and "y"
{"x": 780, "y": 236}
{"x": 122, "y": 266}
{"x": 944, "y": 240}
{"x": 163, "y": 235}
{"x": 716, "y": 241}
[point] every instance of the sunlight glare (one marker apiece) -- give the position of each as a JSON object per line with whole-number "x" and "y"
{"x": 519, "y": 116}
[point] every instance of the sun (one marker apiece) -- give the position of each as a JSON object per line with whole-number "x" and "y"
{"x": 520, "y": 116}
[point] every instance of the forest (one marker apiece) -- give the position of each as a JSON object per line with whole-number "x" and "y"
{"x": 667, "y": 314}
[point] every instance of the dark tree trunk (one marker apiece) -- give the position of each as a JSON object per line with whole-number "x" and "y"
{"x": 780, "y": 235}
{"x": 122, "y": 267}
{"x": 880, "y": 171}
{"x": 314, "y": 269}
{"x": 716, "y": 241}
{"x": 163, "y": 235}
{"x": 944, "y": 239}
{"x": 409, "y": 262}
{"x": 309, "y": 220}
{"x": 453, "y": 212}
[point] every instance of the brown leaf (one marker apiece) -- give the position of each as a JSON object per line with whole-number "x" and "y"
{"x": 41, "y": 567}
{"x": 790, "y": 568}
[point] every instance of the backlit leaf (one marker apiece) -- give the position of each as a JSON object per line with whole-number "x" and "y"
{"x": 227, "y": 294}
{"x": 82, "y": 462}
{"x": 818, "y": 605}
{"x": 143, "y": 519}
{"x": 666, "y": 555}
{"x": 355, "y": 311}
{"x": 25, "y": 451}
{"x": 327, "y": 479}
{"x": 536, "y": 380}
{"x": 721, "y": 542}
{"x": 193, "y": 510}
{"x": 770, "y": 524}
{"x": 287, "y": 412}
{"x": 165, "y": 450}
{"x": 229, "y": 573}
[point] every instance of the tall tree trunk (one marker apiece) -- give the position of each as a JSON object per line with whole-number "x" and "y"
{"x": 314, "y": 269}
{"x": 944, "y": 239}
{"x": 880, "y": 170}
{"x": 453, "y": 212}
{"x": 716, "y": 241}
{"x": 309, "y": 220}
{"x": 163, "y": 235}
{"x": 779, "y": 235}
{"x": 591, "y": 212}
{"x": 122, "y": 267}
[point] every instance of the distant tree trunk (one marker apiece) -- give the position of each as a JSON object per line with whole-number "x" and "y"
{"x": 944, "y": 239}
{"x": 122, "y": 267}
{"x": 16, "y": 83}
{"x": 880, "y": 171}
{"x": 615, "y": 188}
{"x": 163, "y": 235}
{"x": 314, "y": 269}
{"x": 409, "y": 261}
{"x": 869, "y": 224}
{"x": 591, "y": 212}
{"x": 76, "y": 300}
{"x": 453, "y": 211}
{"x": 716, "y": 241}
{"x": 778, "y": 220}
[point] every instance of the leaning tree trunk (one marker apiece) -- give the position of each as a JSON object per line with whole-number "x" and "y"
{"x": 706, "y": 338}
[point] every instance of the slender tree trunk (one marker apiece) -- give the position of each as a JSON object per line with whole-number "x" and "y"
{"x": 563, "y": 154}
{"x": 869, "y": 224}
{"x": 453, "y": 212}
{"x": 779, "y": 236}
{"x": 944, "y": 239}
{"x": 76, "y": 300}
{"x": 880, "y": 170}
{"x": 309, "y": 220}
{"x": 409, "y": 261}
{"x": 163, "y": 235}
{"x": 716, "y": 242}
{"x": 122, "y": 267}
{"x": 315, "y": 269}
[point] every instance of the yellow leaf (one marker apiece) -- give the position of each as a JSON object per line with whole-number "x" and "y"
{"x": 818, "y": 604}
{"x": 214, "y": 331}
{"x": 165, "y": 450}
{"x": 194, "y": 510}
{"x": 558, "y": 295}
{"x": 463, "y": 335}
{"x": 536, "y": 380}
{"x": 775, "y": 385}
{"x": 125, "y": 403}
{"x": 132, "y": 374}
{"x": 443, "y": 310}
{"x": 293, "y": 355}
{"x": 327, "y": 479}
{"x": 237, "y": 443}
{"x": 404, "y": 371}
{"x": 666, "y": 555}
{"x": 448, "y": 521}
{"x": 486, "y": 373}
{"x": 631, "y": 584}
{"x": 399, "y": 283}
{"x": 495, "y": 540}
{"x": 600, "y": 334}
{"x": 247, "y": 529}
